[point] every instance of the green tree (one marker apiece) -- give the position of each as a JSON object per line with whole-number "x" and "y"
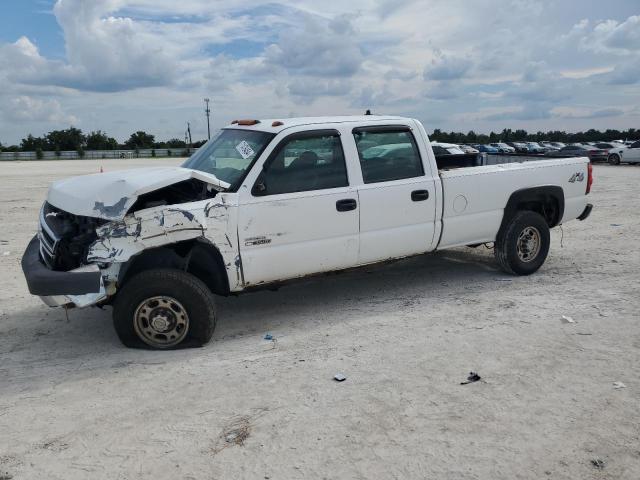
{"x": 31, "y": 143}
{"x": 139, "y": 140}
{"x": 175, "y": 143}
{"x": 69, "y": 139}
{"x": 99, "y": 140}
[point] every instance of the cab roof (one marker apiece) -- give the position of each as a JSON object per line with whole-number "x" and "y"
{"x": 266, "y": 125}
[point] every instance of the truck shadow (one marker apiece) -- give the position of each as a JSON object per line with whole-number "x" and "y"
{"x": 41, "y": 345}
{"x": 387, "y": 287}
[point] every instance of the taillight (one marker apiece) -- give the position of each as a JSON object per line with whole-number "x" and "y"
{"x": 589, "y": 178}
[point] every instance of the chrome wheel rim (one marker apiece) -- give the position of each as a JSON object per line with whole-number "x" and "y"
{"x": 161, "y": 321}
{"x": 528, "y": 245}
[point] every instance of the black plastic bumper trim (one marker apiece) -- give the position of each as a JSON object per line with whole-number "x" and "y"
{"x": 586, "y": 212}
{"x": 45, "y": 282}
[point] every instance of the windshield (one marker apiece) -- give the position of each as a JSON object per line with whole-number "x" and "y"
{"x": 230, "y": 154}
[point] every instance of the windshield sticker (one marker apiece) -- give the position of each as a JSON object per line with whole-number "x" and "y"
{"x": 245, "y": 149}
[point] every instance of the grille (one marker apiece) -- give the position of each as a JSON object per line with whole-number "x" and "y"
{"x": 64, "y": 237}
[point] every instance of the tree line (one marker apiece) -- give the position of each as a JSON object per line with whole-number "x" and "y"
{"x": 74, "y": 139}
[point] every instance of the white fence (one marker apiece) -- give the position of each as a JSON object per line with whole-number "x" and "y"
{"x": 98, "y": 154}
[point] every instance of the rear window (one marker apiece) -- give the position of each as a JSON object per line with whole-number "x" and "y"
{"x": 387, "y": 154}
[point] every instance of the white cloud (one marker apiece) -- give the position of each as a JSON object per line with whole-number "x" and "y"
{"x": 608, "y": 36}
{"x": 444, "y": 67}
{"x": 318, "y": 48}
{"x": 25, "y": 110}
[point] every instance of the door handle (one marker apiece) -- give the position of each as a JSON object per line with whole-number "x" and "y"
{"x": 419, "y": 195}
{"x": 346, "y": 205}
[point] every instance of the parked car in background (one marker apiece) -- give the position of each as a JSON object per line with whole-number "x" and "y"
{"x": 535, "y": 147}
{"x": 608, "y": 146}
{"x": 486, "y": 148}
{"x": 551, "y": 146}
{"x": 467, "y": 149}
{"x": 594, "y": 154}
{"x": 503, "y": 147}
{"x": 628, "y": 154}
{"x": 446, "y": 149}
{"x": 519, "y": 146}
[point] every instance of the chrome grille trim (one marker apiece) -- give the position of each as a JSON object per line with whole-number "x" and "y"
{"x": 48, "y": 241}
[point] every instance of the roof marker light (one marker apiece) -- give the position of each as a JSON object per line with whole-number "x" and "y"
{"x": 245, "y": 122}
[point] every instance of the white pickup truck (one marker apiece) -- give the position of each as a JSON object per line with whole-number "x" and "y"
{"x": 266, "y": 201}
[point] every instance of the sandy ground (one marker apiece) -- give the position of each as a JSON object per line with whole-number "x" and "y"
{"x": 75, "y": 404}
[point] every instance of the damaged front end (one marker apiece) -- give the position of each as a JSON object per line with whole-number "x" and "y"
{"x": 91, "y": 226}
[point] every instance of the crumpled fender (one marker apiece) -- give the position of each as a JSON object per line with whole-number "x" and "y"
{"x": 119, "y": 240}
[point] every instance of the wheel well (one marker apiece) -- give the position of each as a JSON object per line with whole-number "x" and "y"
{"x": 548, "y": 201}
{"x": 198, "y": 257}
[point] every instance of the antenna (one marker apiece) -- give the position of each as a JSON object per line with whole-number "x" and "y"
{"x": 207, "y": 111}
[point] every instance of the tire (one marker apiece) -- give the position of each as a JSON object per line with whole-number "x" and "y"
{"x": 614, "y": 159}
{"x": 164, "y": 309}
{"x": 523, "y": 243}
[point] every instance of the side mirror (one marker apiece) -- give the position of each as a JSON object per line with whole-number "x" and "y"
{"x": 259, "y": 188}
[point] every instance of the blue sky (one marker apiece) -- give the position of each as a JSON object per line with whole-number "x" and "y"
{"x": 124, "y": 65}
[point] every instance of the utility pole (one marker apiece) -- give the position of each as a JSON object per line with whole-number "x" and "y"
{"x": 189, "y": 132}
{"x": 207, "y": 111}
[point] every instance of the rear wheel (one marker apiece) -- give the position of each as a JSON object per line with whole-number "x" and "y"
{"x": 522, "y": 245}
{"x": 164, "y": 309}
{"x": 614, "y": 159}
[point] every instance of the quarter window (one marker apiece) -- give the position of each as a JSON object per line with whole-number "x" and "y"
{"x": 304, "y": 162}
{"x": 387, "y": 155}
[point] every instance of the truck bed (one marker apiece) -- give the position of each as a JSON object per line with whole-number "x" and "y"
{"x": 474, "y": 196}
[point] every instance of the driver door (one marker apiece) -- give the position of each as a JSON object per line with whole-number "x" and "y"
{"x": 300, "y": 216}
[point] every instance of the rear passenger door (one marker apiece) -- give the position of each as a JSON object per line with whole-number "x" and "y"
{"x": 397, "y": 197}
{"x": 299, "y": 216}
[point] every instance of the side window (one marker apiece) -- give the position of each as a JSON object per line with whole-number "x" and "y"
{"x": 635, "y": 145}
{"x": 304, "y": 162}
{"x": 387, "y": 155}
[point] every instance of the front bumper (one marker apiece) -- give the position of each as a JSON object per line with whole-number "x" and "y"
{"x": 80, "y": 287}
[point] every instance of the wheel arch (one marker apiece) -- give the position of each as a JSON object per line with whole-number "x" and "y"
{"x": 547, "y": 200}
{"x": 197, "y": 256}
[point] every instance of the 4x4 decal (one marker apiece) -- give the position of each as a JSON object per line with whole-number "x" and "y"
{"x": 577, "y": 177}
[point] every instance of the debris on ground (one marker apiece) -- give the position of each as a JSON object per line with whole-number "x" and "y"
{"x": 473, "y": 377}
{"x": 567, "y": 319}
{"x": 6, "y": 254}
{"x": 338, "y": 377}
{"x": 616, "y": 224}
{"x": 268, "y": 336}
{"x": 597, "y": 463}
{"x": 619, "y": 385}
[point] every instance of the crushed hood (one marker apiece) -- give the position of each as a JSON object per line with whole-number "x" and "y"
{"x": 111, "y": 195}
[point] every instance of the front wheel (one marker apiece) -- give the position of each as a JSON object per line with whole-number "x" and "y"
{"x": 614, "y": 159}
{"x": 522, "y": 245}
{"x": 164, "y": 309}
